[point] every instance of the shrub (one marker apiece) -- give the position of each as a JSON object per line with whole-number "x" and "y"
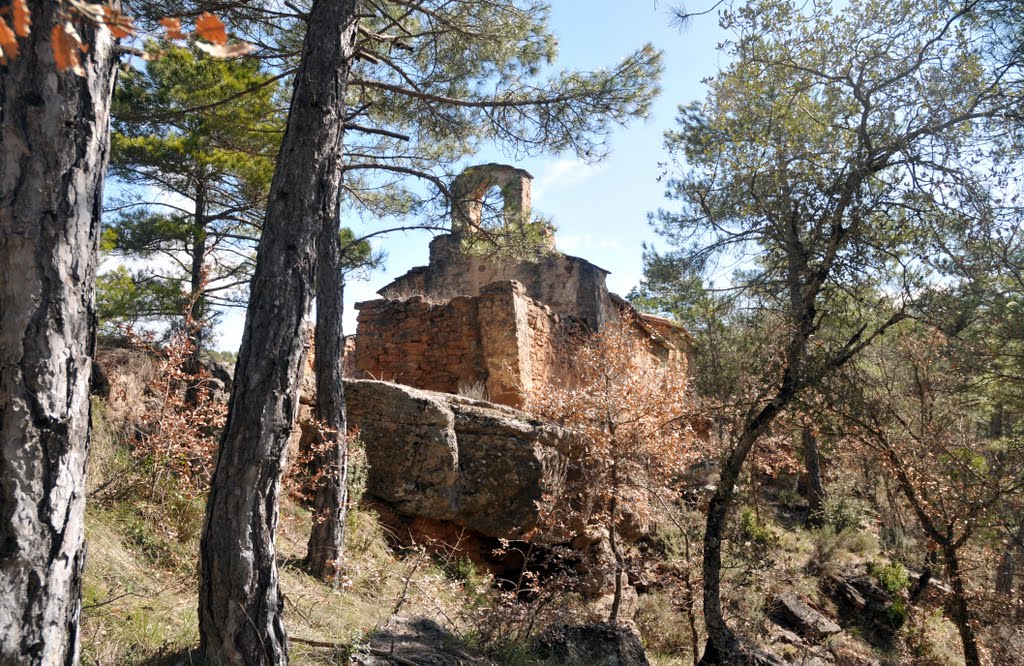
{"x": 842, "y": 511}
{"x": 894, "y": 579}
{"x": 754, "y": 531}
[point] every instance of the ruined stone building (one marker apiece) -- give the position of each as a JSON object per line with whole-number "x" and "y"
{"x": 486, "y": 324}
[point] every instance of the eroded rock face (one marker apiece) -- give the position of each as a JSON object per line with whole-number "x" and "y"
{"x": 475, "y": 464}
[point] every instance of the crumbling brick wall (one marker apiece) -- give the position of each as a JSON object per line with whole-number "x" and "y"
{"x": 501, "y": 340}
{"x": 569, "y": 285}
{"x": 554, "y": 342}
{"x": 420, "y": 344}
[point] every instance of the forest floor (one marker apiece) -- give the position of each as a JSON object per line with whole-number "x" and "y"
{"x": 140, "y": 586}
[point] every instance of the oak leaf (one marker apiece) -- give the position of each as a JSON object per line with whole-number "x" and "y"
{"x": 173, "y": 27}
{"x": 66, "y": 44}
{"x": 120, "y": 25}
{"x": 22, "y": 18}
{"x": 8, "y": 42}
{"x": 210, "y": 28}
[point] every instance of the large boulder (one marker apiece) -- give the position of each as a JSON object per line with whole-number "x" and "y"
{"x": 789, "y": 610}
{"x": 593, "y": 645}
{"x": 478, "y": 465}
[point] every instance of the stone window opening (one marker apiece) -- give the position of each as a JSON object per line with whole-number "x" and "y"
{"x": 491, "y": 197}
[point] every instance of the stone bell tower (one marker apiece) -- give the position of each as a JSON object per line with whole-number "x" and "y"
{"x": 471, "y": 186}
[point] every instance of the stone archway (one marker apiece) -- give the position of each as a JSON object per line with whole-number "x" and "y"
{"x": 471, "y": 186}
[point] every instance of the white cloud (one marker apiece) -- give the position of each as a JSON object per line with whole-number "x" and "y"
{"x": 562, "y": 173}
{"x": 575, "y": 242}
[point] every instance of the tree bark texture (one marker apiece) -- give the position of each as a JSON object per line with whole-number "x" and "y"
{"x": 812, "y": 461}
{"x": 54, "y": 148}
{"x": 722, "y": 645}
{"x": 325, "y": 548}
{"x": 240, "y": 604}
{"x": 958, "y": 608}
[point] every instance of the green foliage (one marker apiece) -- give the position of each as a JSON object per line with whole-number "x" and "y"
{"x": 800, "y": 180}
{"x": 526, "y": 242}
{"x": 754, "y": 531}
{"x": 357, "y": 255}
{"x": 454, "y": 76}
{"x": 841, "y": 511}
{"x": 203, "y": 134}
{"x": 192, "y": 151}
{"x": 894, "y": 579}
{"x": 725, "y": 335}
{"x": 127, "y": 298}
{"x": 830, "y": 545}
{"x": 222, "y": 356}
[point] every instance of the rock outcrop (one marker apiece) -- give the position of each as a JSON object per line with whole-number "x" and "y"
{"x": 594, "y": 645}
{"x": 863, "y": 602}
{"x": 477, "y": 465}
{"x": 790, "y": 610}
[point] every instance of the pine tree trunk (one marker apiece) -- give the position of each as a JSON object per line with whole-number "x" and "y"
{"x": 197, "y": 307}
{"x": 240, "y": 604}
{"x": 54, "y": 148}
{"x": 327, "y": 539}
{"x": 812, "y": 462}
{"x": 722, "y": 644}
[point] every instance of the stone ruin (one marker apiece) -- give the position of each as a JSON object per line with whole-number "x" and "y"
{"x": 447, "y": 341}
{"x": 492, "y": 327}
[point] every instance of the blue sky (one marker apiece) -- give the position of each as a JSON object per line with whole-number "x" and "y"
{"x": 600, "y": 210}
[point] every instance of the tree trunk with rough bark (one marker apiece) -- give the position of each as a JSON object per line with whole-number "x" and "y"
{"x": 326, "y": 544}
{"x": 723, "y": 647}
{"x": 812, "y": 462}
{"x": 240, "y": 604}
{"x": 959, "y": 608}
{"x": 54, "y": 148}
{"x": 722, "y": 644}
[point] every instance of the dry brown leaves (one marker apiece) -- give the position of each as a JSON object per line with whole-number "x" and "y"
{"x": 210, "y": 28}
{"x": 67, "y": 45}
{"x": 632, "y": 411}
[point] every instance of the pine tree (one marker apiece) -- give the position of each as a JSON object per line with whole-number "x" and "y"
{"x": 54, "y": 129}
{"x": 194, "y": 139}
{"x": 473, "y": 76}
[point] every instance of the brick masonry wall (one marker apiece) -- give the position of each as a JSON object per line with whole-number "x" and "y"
{"x": 501, "y": 340}
{"x": 420, "y": 344}
{"x": 553, "y": 343}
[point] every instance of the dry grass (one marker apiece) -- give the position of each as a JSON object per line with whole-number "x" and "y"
{"x": 140, "y": 590}
{"x": 140, "y": 582}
